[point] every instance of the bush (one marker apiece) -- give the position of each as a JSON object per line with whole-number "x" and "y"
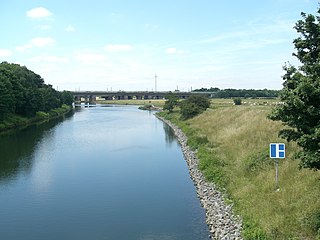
{"x": 237, "y": 101}
{"x": 41, "y": 115}
{"x": 193, "y": 106}
{"x": 189, "y": 110}
{"x": 252, "y": 231}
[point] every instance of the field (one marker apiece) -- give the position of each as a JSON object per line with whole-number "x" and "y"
{"x": 233, "y": 148}
{"x": 215, "y": 102}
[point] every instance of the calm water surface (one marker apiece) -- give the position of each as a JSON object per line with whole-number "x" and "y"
{"x": 103, "y": 173}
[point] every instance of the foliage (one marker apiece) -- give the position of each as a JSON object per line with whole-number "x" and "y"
{"x": 301, "y": 94}
{"x": 240, "y": 93}
{"x": 42, "y": 115}
{"x": 252, "y": 231}
{"x": 146, "y": 107}
{"x": 237, "y": 101}
{"x": 193, "y": 106}
{"x": 24, "y": 93}
{"x": 171, "y": 102}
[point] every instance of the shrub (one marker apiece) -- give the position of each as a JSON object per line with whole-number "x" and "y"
{"x": 193, "y": 106}
{"x": 237, "y": 101}
{"x": 252, "y": 231}
{"x": 42, "y": 115}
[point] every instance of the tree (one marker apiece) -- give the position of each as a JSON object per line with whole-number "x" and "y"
{"x": 6, "y": 98}
{"x": 301, "y": 94}
{"x": 66, "y": 97}
{"x": 171, "y": 102}
{"x": 24, "y": 93}
{"x": 193, "y": 106}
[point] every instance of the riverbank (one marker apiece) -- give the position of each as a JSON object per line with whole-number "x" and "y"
{"x": 13, "y": 122}
{"x": 232, "y": 145}
{"x": 222, "y": 223}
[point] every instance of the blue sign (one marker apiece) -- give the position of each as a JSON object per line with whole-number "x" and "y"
{"x": 277, "y": 150}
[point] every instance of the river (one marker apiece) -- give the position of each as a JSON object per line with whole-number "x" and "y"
{"x": 105, "y": 172}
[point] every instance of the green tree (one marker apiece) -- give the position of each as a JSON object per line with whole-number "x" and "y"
{"x": 66, "y": 97}
{"x": 24, "y": 92}
{"x": 301, "y": 94}
{"x": 6, "y": 97}
{"x": 171, "y": 102}
{"x": 193, "y": 106}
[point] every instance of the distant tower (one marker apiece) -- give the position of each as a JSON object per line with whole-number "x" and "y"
{"x": 155, "y": 82}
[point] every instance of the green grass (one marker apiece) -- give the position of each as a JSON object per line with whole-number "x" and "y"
{"x": 216, "y": 102}
{"x": 227, "y": 102}
{"x": 16, "y": 122}
{"x": 233, "y": 147}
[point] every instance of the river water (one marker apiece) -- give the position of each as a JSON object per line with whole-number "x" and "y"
{"x": 105, "y": 172}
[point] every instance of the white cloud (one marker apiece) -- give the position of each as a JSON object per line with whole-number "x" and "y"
{"x": 36, "y": 42}
{"x": 118, "y": 47}
{"x": 39, "y": 12}
{"x": 70, "y": 28}
{"x": 256, "y": 27}
{"x": 174, "y": 51}
{"x": 5, "y": 53}
{"x": 24, "y": 47}
{"x": 53, "y": 59}
{"x": 171, "y": 50}
{"x": 43, "y": 41}
{"x": 89, "y": 58}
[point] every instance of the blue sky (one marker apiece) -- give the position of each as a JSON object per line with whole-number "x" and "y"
{"x": 121, "y": 45}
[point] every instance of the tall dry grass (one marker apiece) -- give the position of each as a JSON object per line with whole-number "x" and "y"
{"x": 236, "y": 155}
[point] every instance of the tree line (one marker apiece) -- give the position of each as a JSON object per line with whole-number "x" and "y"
{"x": 240, "y": 93}
{"x": 24, "y": 93}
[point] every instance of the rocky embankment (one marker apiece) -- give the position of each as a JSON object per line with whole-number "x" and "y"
{"x": 223, "y": 224}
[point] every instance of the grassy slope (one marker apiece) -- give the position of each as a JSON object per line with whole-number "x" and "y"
{"x": 236, "y": 156}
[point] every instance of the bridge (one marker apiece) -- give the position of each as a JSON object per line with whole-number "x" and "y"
{"x": 93, "y": 96}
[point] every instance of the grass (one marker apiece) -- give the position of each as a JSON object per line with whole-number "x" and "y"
{"x": 216, "y": 102}
{"x": 233, "y": 147}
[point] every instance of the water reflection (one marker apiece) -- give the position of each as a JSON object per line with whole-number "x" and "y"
{"x": 96, "y": 174}
{"x": 17, "y": 148}
{"x": 169, "y": 133}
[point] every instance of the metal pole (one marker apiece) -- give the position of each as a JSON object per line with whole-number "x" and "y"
{"x": 277, "y": 183}
{"x": 155, "y": 82}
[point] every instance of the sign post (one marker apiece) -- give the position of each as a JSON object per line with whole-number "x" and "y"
{"x": 277, "y": 150}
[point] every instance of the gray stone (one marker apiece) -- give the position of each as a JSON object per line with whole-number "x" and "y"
{"x": 222, "y": 223}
